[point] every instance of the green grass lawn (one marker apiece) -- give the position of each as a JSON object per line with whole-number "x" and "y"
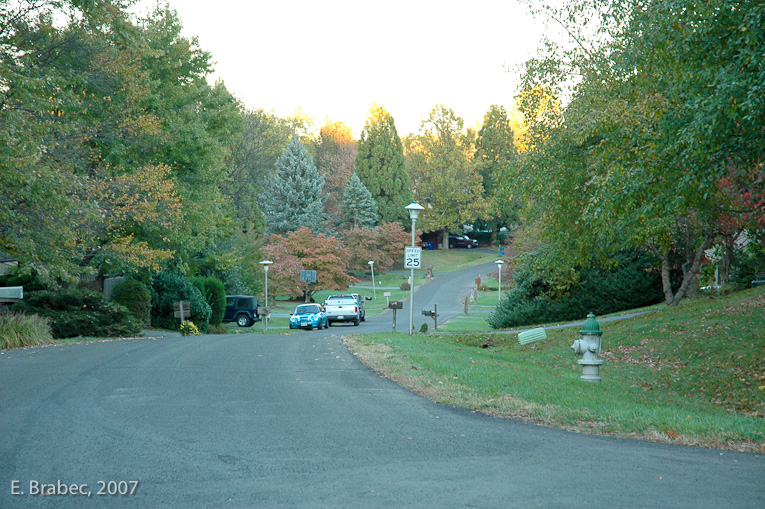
{"x": 693, "y": 374}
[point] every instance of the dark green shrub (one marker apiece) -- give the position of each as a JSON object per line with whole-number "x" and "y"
{"x": 74, "y": 312}
{"x": 633, "y": 283}
{"x": 136, "y": 297}
{"x": 215, "y": 295}
{"x": 169, "y": 288}
{"x": 20, "y": 329}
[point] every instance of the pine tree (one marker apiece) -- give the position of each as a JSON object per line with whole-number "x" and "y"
{"x": 359, "y": 207}
{"x": 380, "y": 166}
{"x": 295, "y": 196}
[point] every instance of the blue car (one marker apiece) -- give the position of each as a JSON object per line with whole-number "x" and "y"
{"x": 309, "y": 316}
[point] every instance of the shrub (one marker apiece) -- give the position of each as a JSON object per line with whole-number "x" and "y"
{"x": 566, "y": 296}
{"x": 74, "y": 312}
{"x": 169, "y": 288}
{"x": 189, "y": 329}
{"x": 136, "y": 297}
{"x": 215, "y": 295}
{"x": 21, "y": 329}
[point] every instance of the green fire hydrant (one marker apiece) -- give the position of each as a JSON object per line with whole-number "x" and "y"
{"x": 589, "y": 348}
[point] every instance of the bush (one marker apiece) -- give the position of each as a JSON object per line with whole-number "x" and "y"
{"x": 189, "y": 329}
{"x": 215, "y": 295}
{"x": 136, "y": 297}
{"x": 21, "y": 329}
{"x": 169, "y": 288}
{"x": 74, "y": 312}
{"x": 567, "y": 295}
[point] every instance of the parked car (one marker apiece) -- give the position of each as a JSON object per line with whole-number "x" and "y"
{"x": 361, "y": 302}
{"x": 462, "y": 241}
{"x": 242, "y": 309}
{"x": 342, "y": 308}
{"x": 309, "y": 316}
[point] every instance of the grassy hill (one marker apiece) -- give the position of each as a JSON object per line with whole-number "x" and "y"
{"x": 694, "y": 374}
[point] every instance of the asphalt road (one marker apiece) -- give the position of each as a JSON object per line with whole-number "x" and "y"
{"x": 294, "y": 420}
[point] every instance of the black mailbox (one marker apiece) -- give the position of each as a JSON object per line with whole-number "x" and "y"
{"x": 427, "y": 312}
{"x": 396, "y": 304}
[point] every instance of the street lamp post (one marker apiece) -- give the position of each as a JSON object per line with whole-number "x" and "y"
{"x": 499, "y": 266}
{"x": 374, "y": 289}
{"x": 265, "y": 264}
{"x": 414, "y": 209}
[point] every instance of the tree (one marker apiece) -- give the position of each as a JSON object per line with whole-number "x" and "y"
{"x": 301, "y": 248}
{"x": 336, "y": 153}
{"x": 661, "y": 112}
{"x": 495, "y": 156}
{"x": 445, "y": 180}
{"x": 251, "y": 162}
{"x": 384, "y": 244}
{"x": 111, "y": 133}
{"x": 296, "y": 196}
{"x": 380, "y": 166}
{"x": 359, "y": 208}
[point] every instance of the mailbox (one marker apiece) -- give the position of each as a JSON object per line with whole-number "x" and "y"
{"x": 396, "y": 304}
{"x": 11, "y": 293}
{"x": 427, "y": 312}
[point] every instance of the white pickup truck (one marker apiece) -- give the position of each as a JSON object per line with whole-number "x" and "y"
{"x": 342, "y": 308}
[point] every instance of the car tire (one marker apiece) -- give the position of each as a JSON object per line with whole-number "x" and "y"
{"x": 243, "y": 321}
{"x": 356, "y": 321}
{"x": 469, "y": 246}
{"x": 451, "y": 246}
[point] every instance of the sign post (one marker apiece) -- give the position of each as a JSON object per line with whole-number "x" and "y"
{"x": 309, "y": 276}
{"x": 182, "y": 310}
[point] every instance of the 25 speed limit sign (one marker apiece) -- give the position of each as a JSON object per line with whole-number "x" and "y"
{"x": 412, "y": 257}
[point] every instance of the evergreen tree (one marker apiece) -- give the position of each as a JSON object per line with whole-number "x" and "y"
{"x": 296, "y": 196}
{"x": 359, "y": 207}
{"x": 380, "y": 166}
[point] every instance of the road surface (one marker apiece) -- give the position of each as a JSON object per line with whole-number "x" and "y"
{"x": 294, "y": 420}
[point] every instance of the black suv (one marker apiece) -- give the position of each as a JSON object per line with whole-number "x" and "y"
{"x": 242, "y": 309}
{"x": 462, "y": 241}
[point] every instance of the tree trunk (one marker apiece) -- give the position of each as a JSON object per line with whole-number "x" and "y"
{"x": 690, "y": 269}
{"x": 445, "y": 239}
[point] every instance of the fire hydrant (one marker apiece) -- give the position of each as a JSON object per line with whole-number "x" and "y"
{"x": 589, "y": 348}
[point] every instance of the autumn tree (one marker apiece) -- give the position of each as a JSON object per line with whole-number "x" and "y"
{"x": 295, "y": 196}
{"x": 301, "y": 248}
{"x": 380, "y": 166}
{"x": 336, "y": 153}
{"x": 445, "y": 179}
{"x": 96, "y": 102}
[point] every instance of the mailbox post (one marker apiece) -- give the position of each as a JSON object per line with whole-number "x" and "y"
{"x": 433, "y": 314}
{"x": 395, "y": 305}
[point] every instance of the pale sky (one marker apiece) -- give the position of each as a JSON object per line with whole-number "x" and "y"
{"x": 335, "y": 58}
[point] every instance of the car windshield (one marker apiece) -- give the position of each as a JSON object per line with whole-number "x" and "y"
{"x": 305, "y": 310}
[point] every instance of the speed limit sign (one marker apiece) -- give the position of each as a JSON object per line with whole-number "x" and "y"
{"x": 412, "y": 257}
